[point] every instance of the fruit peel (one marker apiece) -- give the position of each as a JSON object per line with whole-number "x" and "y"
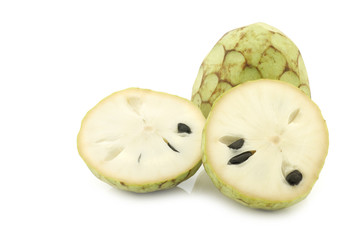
{"x": 249, "y": 53}
{"x": 145, "y": 188}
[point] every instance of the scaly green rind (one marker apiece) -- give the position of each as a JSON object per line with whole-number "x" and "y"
{"x": 150, "y": 187}
{"x": 244, "y": 54}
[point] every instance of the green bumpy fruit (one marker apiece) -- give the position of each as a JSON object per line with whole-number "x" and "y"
{"x": 244, "y": 54}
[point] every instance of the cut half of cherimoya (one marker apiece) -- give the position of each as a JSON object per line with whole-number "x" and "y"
{"x": 141, "y": 140}
{"x": 265, "y": 143}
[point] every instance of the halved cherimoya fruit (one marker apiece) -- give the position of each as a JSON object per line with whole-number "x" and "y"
{"x": 141, "y": 140}
{"x": 265, "y": 143}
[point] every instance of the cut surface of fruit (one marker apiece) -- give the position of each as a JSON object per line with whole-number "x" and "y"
{"x": 265, "y": 143}
{"x": 141, "y": 140}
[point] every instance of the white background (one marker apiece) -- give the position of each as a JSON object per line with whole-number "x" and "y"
{"x": 59, "y": 58}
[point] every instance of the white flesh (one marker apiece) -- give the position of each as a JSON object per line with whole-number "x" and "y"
{"x": 280, "y": 123}
{"x": 125, "y": 136}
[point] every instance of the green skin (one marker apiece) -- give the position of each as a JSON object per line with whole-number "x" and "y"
{"x": 150, "y": 187}
{"x": 244, "y": 54}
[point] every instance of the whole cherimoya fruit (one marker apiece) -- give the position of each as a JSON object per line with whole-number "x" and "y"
{"x": 141, "y": 140}
{"x": 248, "y": 53}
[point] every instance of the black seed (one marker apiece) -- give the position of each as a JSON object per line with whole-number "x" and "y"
{"x": 139, "y": 158}
{"x": 237, "y": 144}
{"x": 294, "y": 178}
{"x": 172, "y": 148}
{"x": 183, "y": 128}
{"x": 242, "y": 157}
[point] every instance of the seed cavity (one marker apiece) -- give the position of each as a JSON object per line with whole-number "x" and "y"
{"x": 294, "y": 177}
{"x": 113, "y": 153}
{"x": 228, "y": 140}
{"x": 109, "y": 140}
{"x": 169, "y": 145}
{"x": 172, "y": 148}
{"x": 135, "y": 104}
{"x": 240, "y": 158}
{"x": 183, "y": 128}
{"x": 139, "y": 158}
{"x": 237, "y": 144}
{"x": 293, "y": 115}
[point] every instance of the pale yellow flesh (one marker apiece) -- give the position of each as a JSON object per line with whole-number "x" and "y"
{"x": 125, "y": 137}
{"x": 283, "y": 126}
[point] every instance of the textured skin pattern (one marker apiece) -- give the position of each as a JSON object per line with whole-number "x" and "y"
{"x": 253, "y": 52}
{"x": 150, "y": 187}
